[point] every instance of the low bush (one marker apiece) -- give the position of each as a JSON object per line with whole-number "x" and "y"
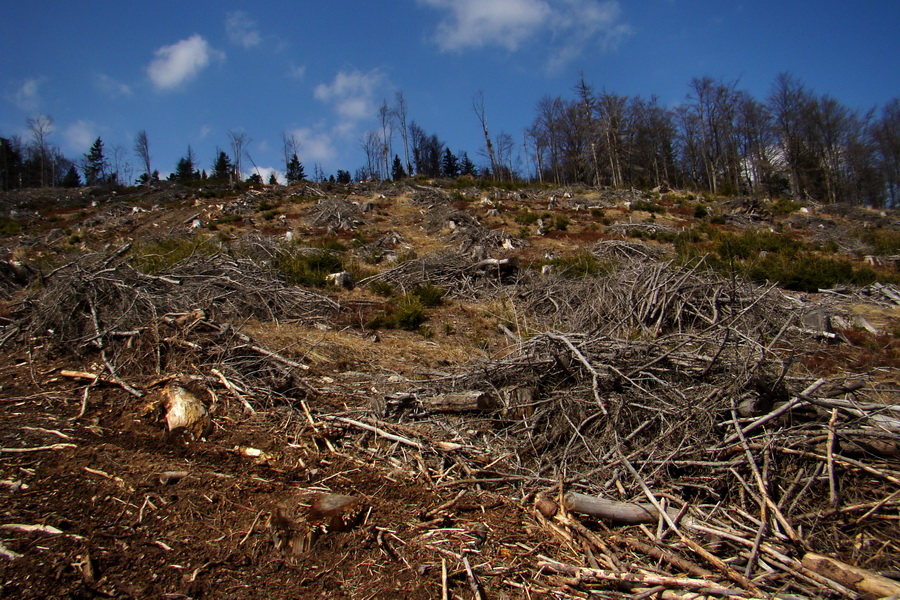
{"x": 428, "y": 294}
{"x": 157, "y": 256}
{"x": 307, "y": 268}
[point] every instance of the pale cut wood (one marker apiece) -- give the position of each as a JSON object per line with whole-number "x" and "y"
{"x": 867, "y": 583}
{"x": 470, "y": 401}
{"x": 622, "y": 512}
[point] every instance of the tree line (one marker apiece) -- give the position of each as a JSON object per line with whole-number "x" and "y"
{"x": 720, "y": 139}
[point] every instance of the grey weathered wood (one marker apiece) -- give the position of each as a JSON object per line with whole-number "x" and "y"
{"x": 622, "y": 512}
{"x": 470, "y": 401}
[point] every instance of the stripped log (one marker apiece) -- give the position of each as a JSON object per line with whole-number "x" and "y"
{"x": 622, "y": 512}
{"x": 470, "y": 401}
{"x": 867, "y": 583}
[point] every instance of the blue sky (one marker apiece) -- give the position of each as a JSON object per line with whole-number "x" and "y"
{"x": 190, "y": 72}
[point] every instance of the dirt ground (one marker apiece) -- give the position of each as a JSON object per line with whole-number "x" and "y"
{"x": 124, "y": 534}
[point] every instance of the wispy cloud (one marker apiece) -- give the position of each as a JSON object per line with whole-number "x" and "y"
{"x": 266, "y": 172}
{"x": 477, "y": 23}
{"x": 315, "y": 146}
{"x": 80, "y": 135}
{"x": 180, "y": 62}
{"x": 28, "y": 96}
{"x": 565, "y": 27}
{"x": 296, "y": 71}
{"x": 110, "y": 86}
{"x": 242, "y": 30}
{"x": 351, "y": 93}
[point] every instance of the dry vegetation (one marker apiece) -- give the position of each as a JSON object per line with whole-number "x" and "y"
{"x": 723, "y": 370}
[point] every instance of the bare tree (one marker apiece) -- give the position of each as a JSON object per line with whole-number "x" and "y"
{"x": 588, "y": 108}
{"x": 291, "y": 147}
{"x": 239, "y": 141}
{"x": 121, "y": 169}
{"x": 372, "y": 144}
{"x": 142, "y": 149}
{"x": 386, "y": 119}
{"x": 478, "y": 107}
{"x": 400, "y": 112}
{"x": 886, "y": 134}
{"x": 41, "y": 127}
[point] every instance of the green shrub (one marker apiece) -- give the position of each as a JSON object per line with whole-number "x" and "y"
{"x": 155, "y": 257}
{"x": 784, "y": 206}
{"x": 578, "y": 266}
{"x": 408, "y": 313}
{"x": 883, "y": 241}
{"x": 526, "y": 217}
{"x": 597, "y": 213}
{"x": 701, "y": 211}
{"x": 809, "y": 272}
{"x": 9, "y": 226}
{"x": 561, "y": 223}
{"x": 305, "y": 268}
{"x": 647, "y": 206}
{"x": 382, "y": 288}
{"x": 329, "y": 243}
{"x": 428, "y": 294}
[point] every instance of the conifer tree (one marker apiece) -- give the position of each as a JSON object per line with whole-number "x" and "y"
{"x": 449, "y": 164}
{"x": 397, "y": 170}
{"x": 95, "y": 164}
{"x": 295, "y": 172}
{"x": 222, "y": 167}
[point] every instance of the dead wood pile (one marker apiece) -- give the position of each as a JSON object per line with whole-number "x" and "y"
{"x": 459, "y": 275}
{"x": 666, "y": 385}
{"x": 467, "y": 231}
{"x": 337, "y": 214}
{"x": 185, "y": 318}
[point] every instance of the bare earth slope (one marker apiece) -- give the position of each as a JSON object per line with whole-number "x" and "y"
{"x": 187, "y": 410}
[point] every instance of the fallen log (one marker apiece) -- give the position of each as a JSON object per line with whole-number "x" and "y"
{"x": 867, "y": 583}
{"x": 630, "y": 513}
{"x": 471, "y": 401}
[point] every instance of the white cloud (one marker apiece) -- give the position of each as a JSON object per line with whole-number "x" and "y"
{"x": 28, "y": 96}
{"x": 476, "y": 23}
{"x": 110, "y": 86}
{"x": 351, "y": 93}
{"x": 180, "y": 62}
{"x": 296, "y": 71}
{"x": 80, "y": 135}
{"x": 242, "y": 30}
{"x": 266, "y": 172}
{"x": 566, "y": 27}
{"x": 315, "y": 146}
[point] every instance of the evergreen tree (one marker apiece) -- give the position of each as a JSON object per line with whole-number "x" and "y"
{"x": 397, "y": 171}
{"x": 273, "y": 180}
{"x": 449, "y": 164}
{"x": 11, "y": 163}
{"x": 95, "y": 164}
{"x": 343, "y": 176}
{"x": 467, "y": 167}
{"x": 186, "y": 169}
{"x": 295, "y": 173}
{"x": 71, "y": 180}
{"x": 255, "y": 178}
{"x": 222, "y": 167}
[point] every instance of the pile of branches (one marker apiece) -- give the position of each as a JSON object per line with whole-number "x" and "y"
{"x": 675, "y": 387}
{"x": 430, "y": 197}
{"x": 337, "y": 214}
{"x": 459, "y": 275}
{"x": 467, "y": 231}
{"x": 144, "y": 325}
{"x": 644, "y": 228}
{"x": 622, "y": 250}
